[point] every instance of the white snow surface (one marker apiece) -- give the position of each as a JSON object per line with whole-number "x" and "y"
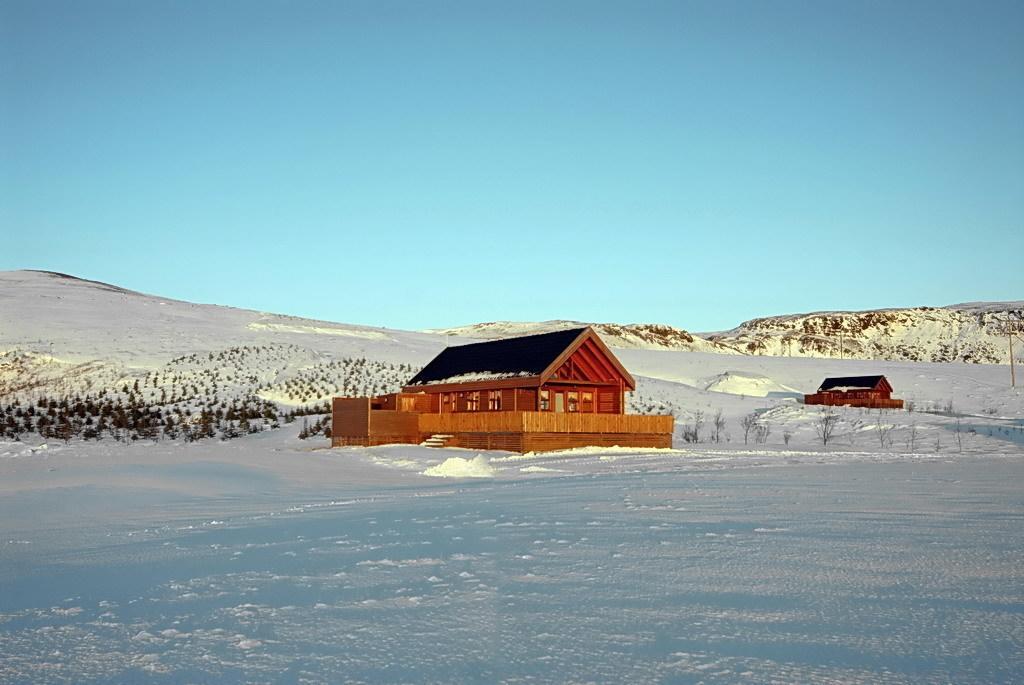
{"x": 75, "y": 320}
{"x": 740, "y": 383}
{"x": 458, "y": 467}
{"x": 233, "y": 562}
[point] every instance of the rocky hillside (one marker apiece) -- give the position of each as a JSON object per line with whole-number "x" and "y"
{"x": 972, "y": 333}
{"x": 647, "y": 336}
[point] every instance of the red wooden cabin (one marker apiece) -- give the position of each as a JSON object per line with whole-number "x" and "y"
{"x": 855, "y": 391}
{"x": 535, "y": 392}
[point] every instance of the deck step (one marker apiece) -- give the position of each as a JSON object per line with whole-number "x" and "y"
{"x": 437, "y": 440}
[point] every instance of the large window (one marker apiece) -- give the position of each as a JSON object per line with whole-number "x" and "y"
{"x": 473, "y": 401}
{"x": 494, "y": 400}
{"x": 545, "y": 400}
{"x": 586, "y": 401}
{"x": 572, "y": 400}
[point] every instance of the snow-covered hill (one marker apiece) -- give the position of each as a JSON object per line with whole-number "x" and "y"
{"x": 972, "y": 332}
{"x": 95, "y": 357}
{"x": 67, "y": 338}
{"x": 644, "y": 336}
{"x": 77, "y": 320}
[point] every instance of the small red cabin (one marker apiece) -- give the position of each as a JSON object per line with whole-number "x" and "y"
{"x": 855, "y": 391}
{"x": 531, "y": 393}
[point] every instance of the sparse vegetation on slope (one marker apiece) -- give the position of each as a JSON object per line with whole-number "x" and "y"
{"x": 223, "y": 394}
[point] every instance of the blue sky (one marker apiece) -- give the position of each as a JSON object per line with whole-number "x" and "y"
{"x": 416, "y": 164}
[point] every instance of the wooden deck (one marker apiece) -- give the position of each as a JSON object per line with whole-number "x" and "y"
{"x": 536, "y": 431}
{"x": 355, "y": 423}
{"x": 543, "y": 422}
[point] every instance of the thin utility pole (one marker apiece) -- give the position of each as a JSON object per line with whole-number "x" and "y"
{"x": 1012, "y": 328}
{"x": 1013, "y": 374}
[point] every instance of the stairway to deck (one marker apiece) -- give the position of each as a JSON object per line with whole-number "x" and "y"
{"x": 437, "y": 440}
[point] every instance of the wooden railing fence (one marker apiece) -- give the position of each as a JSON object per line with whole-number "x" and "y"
{"x": 543, "y": 422}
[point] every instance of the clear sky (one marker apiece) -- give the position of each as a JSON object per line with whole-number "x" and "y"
{"x": 419, "y": 164}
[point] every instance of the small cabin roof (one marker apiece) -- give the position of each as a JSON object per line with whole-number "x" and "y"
{"x": 843, "y": 383}
{"x": 528, "y": 355}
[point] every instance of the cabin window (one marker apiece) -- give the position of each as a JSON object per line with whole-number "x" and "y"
{"x": 473, "y": 401}
{"x": 494, "y": 400}
{"x": 446, "y": 402}
{"x": 545, "y": 400}
{"x": 587, "y": 401}
{"x": 573, "y": 400}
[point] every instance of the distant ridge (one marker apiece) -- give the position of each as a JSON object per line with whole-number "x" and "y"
{"x": 99, "y": 284}
{"x": 627, "y": 336}
{"x": 83, "y": 320}
{"x": 970, "y": 332}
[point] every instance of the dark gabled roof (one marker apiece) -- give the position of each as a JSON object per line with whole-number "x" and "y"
{"x": 529, "y": 355}
{"x": 868, "y": 382}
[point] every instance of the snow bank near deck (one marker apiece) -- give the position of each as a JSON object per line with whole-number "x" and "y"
{"x": 457, "y": 467}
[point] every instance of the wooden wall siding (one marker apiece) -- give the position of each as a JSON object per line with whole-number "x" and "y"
{"x": 508, "y": 400}
{"x": 526, "y": 399}
{"x": 394, "y": 426}
{"x": 350, "y": 420}
{"x": 511, "y": 442}
{"x": 353, "y": 423}
{"x": 546, "y": 442}
{"x": 402, "y": 401}
{"x": 607, "y": 402}
{"x": 542, "y": 422}
{"x": 413, "y": 402}
{"x": 836, "y": 399}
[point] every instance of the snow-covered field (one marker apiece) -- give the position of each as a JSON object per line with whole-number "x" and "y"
{"x": 265, "y": 560}
{"x": 756, "y": 554}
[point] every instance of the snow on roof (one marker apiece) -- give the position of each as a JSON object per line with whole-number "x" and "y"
{"x": 477, "y": 376}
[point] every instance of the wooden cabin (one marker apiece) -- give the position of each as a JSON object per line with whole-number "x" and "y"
{"x": 532, "y": 393}
{"x": 855, "y": 391}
